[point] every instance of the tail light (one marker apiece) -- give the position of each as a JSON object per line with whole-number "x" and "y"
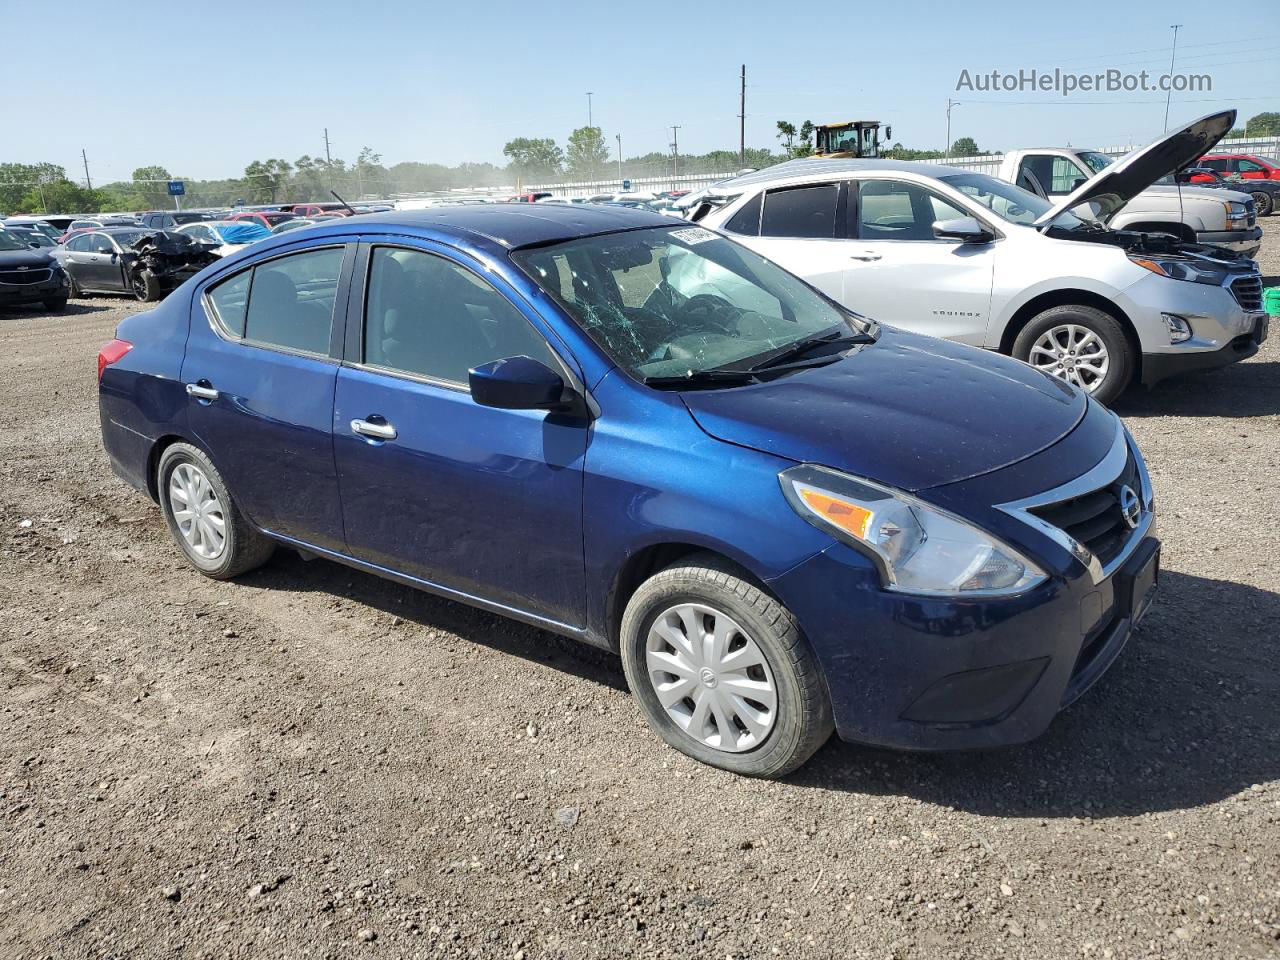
{"x": 110, "y": 353}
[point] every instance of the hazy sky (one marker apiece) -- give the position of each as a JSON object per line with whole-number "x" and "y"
{"x": 205, "y": 88}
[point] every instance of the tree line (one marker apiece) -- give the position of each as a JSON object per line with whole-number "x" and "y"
{"x": 46, "y": 188}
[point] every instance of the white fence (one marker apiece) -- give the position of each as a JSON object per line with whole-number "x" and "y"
{"x": 586, "y": 188}
{"x": 1268, "y": 147}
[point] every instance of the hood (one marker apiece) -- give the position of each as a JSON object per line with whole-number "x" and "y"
{"x": 34, "y": 259}
{"x": 1123, "y": 180}
{"x": 910, "y": 411}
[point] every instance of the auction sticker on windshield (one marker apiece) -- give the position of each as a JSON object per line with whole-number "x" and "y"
{"x": 693, "y": 235}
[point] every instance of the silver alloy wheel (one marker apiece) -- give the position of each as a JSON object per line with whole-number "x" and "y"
{"x": 1073, "y": 353}
{"x": 711, "y": 678}
{"x": 197, "y": 511}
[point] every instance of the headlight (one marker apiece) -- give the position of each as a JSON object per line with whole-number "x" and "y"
{"x": 918, "y": 547}
{"x": 1181, "y": 269}
{"x": 1236, "y": 210}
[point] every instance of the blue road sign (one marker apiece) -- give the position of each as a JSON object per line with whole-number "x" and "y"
{"x": 177, "y": 188}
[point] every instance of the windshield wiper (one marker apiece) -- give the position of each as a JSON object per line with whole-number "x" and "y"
{"x": 798, "y": 349}
{"x": 702, "y": 378}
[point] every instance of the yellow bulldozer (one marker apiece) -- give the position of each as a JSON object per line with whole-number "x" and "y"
{"x": 853, "y": 138}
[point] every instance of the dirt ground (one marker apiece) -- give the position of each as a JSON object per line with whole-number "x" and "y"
{"x": 312, "y": 762}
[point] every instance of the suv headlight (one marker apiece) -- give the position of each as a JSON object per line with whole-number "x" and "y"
{"x": 1189, "y": 270}
{"x": 918, "y": 548}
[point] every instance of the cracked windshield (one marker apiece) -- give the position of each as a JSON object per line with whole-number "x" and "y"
{"x": 671, "y": 303}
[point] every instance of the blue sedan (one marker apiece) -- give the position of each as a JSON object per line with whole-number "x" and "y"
{"x": 785, "y": 517}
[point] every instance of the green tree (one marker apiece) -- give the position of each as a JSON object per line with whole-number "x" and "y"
{"x": 965, "y": 147}
{"x": 17, "y": 180}
{"x": 267, "y": 179}
{"x": 796, "y": 142}
{"x": 1263, "y": 125}
{"x": 534, "y": 160}
{"x": 787, "y": 134}
{"x": 151, "y": 183}
{"x": 370, "y": 174}
{"x": 587, "y": 152}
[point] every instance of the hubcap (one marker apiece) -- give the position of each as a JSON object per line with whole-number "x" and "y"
{"x": 711, "y": 678}
{"x": 197, "y": 511}
{"x": 1073, "y": 353}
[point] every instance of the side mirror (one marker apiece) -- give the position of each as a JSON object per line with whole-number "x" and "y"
{"x": 964, "y": 229}
{"x": 1182, "y": 176}
{"x": 33, "y": 245}
{"x": 516, "y": 383}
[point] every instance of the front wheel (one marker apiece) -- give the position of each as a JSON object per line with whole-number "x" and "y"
{"x": 1264, "y": 203}
{"x": 203, "y": 519}
{"x": 721, "y": 670}
{"x": 146, "y": 286}
{"x": 1082, "y": 345}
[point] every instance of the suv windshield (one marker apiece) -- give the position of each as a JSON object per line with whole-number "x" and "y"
{"x": 669, "y": 302}
{"x": 1004, "y": 199}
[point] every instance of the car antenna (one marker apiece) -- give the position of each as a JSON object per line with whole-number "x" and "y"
{"x": 343, "y": 202}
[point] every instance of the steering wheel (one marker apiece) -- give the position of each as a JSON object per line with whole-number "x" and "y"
{"x": 708, "y": 310}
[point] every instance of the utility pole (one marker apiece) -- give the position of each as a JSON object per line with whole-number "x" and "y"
{"x": 589, "y": 120}
{"x": 87, "y": 182}
{"x": 328, "y": 161}
{"x": 675, "y": 152}
{"x": 619, "y": 160}
{"x": 946, "y": 150}
{"x": 1175, "y": 27}
{"x": 742, "y": 120}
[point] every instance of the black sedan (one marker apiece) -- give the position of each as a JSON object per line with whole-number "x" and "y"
{"x": 1265, "y": 193}
{"x": 132, "y": 260}
{"x": 29, "y": 275}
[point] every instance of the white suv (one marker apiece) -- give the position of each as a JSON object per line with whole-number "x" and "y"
{"x": 965, "y": 256}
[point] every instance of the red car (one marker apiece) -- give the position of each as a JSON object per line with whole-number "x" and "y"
{"x": 314, "y": 209}
{"x": 1244, "y": 166}
{"x": 529, "y": 197}
{"x": 267, "y": 219}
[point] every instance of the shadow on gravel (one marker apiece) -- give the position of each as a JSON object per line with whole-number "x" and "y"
{"x": 1190, "y": 714}
{"x": 1248, "y": 389}
{"x": 72, "y": 309}
{"x": 287, "y": 571}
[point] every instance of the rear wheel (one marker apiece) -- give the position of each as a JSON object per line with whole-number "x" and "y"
{"x": 146, "y": 286}
{"x": 203, "y": 519}
{"x": 1264, "y": 204}
{"x": 721, "y": 671}
{"x": 1082, "y": 345}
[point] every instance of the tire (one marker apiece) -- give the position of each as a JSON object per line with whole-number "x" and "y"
{"x": 73, "y": 291}
{"x": 755, "y": 624}
{"x": 146, "y": 286}
{"x": 1264, "y": 204}
{"x": 243, "y": 547}
{"x": 1033, "y": 344}
{"x": 56, "y": 305}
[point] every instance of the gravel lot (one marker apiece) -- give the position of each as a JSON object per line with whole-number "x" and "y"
{"x": 314, "y": 762}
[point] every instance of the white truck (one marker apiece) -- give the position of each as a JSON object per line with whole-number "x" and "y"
{"x": 1218, "y": 218}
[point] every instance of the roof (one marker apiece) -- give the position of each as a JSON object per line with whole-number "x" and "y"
{"x": 514, "y": 225}
{"x": 837, "y": 166}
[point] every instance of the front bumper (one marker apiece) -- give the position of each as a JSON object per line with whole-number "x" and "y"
{"x": 1159, "y": 366}
{"x": 1246, "y": 241}
{"x": 49, "y": 289}
{"x": 951, "y": 673}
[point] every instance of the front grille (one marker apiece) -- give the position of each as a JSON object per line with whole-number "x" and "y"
{"x": 1095, "y": 518}
{"x": 25, "y": 276}
{"x": 1250, "y": 209}
{"x": 1248, "y": 291}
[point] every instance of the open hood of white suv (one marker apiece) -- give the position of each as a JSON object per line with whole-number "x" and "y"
{"x": 1123, "y": 180}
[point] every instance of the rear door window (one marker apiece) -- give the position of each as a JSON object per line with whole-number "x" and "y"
{"x": 808, "y": 211}
{"x": 291, "y": 300}
{"x": 747, "y": 220}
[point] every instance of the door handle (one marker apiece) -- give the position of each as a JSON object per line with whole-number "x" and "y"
{"x": 866, "y": 256}
{"x": 379, "y": 431}
{"x": 201, "y": 392}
